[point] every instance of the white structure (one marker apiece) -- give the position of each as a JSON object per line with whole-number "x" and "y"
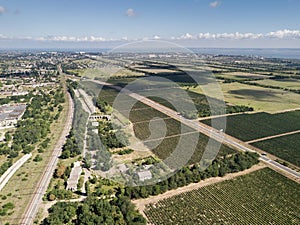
{"x": 11, "y": 170}
{"x": 96, "y": 117}
{"x": 144, "y": 175}
{"x": 20, "y": 93}
{"x": 10, "y": 114}
{"x": 95, "y": 124}
{"x": 122, "y": 168}
{"x": 95, "y": 131}
{"x": 74, "y": 177}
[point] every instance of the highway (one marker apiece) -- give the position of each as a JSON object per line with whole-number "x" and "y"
{"x": 202, "y": 128}
{"x": 32, "y": 208}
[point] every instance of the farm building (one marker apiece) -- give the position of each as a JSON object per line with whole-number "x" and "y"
{"x": 122, "y": 168}
{"x": 144, "y": 175}
{"x": 10, "y": 114}
{"x": 74, "y": 177}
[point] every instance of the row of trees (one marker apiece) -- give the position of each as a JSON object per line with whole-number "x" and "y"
{"x": 118, "y": 211}
{"x": 219, "y": 167}
{"x": 70, "y": 148}
{"x": 297, "y": 91}
{"x": 71, "y": 86}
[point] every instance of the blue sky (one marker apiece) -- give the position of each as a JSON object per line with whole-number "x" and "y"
{"x": 199, "y": 23}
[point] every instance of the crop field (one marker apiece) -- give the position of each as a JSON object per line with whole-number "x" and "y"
{"x": 248, "y": 127}
{"x": 261, "y": 197}
{"x": 286, "y": 147}
{"x": 173, "y": 127}
{"x": 261, "y": 99}
{"x": 162, "y": 144}
{"x": 192, "y": 144}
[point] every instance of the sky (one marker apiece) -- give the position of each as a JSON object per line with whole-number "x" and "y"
{"x": 192, "y": 23}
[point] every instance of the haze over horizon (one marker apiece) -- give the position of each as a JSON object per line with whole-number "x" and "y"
{"x": 190, "y": 23}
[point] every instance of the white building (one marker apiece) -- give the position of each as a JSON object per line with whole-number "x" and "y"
{"x": 144, "y": 175}
{"x": 74, "y": 177}
{"x": 10, "y": 114}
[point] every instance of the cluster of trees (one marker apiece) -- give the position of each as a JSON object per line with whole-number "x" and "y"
{"x": 5, "y": 166}
{"x": 111, "y": 136}
{"x": 124, "y": 151}
{"x": 71, "y": 86}
{"x": 62, "y": 172}
{"x": 118, "y": 211}
{"x": 35, "y": 123}
{"x": 70, "y": 148}
{"x": 59, "y": 193}
{"x": 16, "y": 99}
{"x": 103, "y": 106}
{"x": 59, "y": 189}
{"x": 219, "y": 167}
{"x": 238, "y": 109}
{"x": 38, "y": 158}
{"x": 5, "y": 208}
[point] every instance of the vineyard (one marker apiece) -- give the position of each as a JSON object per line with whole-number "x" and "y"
{"x": 163, "y": 145}
{"x": 248, "y": 127}
{"x": 284, "y": 147}
{"x": 261, "y": 197}
{"x": 194, "y": 144}
{"x": 173, "y": 127}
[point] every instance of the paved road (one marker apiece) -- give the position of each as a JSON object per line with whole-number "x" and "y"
{"x": 32, "y": 208}
{"x": 209, "y": 131}
{"x": 274, "y": 136}
{"x": 11, "y": 170}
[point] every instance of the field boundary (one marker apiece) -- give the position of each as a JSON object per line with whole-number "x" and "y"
{"x": 273, "y": 136}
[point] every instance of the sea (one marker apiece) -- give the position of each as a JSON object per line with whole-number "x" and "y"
{"x": 282, "y": 53}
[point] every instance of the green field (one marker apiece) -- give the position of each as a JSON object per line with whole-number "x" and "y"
{"x": 261, "y": 197}
{"x": 173, "y": 127}
{"x": 192, "y": 144}
{"x": 261, "y": 99}
{"x": 248, "y": 127}
{"x": 286, "y": 147}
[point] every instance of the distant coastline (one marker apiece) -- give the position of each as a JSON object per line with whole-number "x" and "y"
{"x": 282, "y": 53}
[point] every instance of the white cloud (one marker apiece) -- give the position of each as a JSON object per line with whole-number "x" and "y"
{"x": 2, "y": 10}
{"x": 3, "y": 37}
{"x": 215, "y": 4}
{"x": 275, "y": 35}
{"x": 280, "y": 34}
{"x": 187, "y": 36}
{"x": 284, "y": 34}
{"x": 130, "y": 12}
{"x": 66, "y": 39}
